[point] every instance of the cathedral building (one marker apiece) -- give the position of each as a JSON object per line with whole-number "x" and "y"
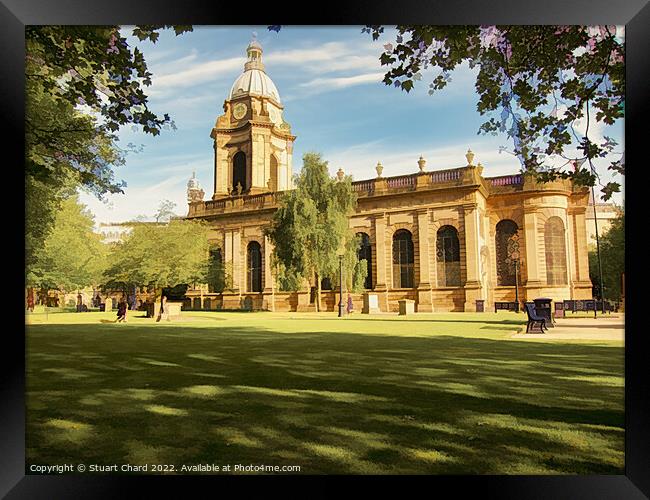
{"x": 444, "y": 238}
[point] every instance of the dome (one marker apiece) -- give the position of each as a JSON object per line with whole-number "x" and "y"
{"x": 193, "y": 183}
{"x": 254, "y": 80}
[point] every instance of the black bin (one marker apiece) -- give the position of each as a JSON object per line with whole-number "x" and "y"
{"x": 543, "y": 309}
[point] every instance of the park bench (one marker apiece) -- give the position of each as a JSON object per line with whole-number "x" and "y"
{"x": 506, "y": 306}
{"x": 534, "y": 318}
{"x": 589, "y": 305}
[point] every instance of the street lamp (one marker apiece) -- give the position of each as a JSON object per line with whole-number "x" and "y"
{"x": 340, "y": 285}
{"x": 514, "y": 256}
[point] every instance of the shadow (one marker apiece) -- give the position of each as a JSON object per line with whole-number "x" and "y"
{"x": 336, "y": 403}
{"x": 107, "y": 321}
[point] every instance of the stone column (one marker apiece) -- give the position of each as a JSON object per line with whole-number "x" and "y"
{"x": 425, "y": 302}
{"x": 533, "y": 278}
{"x": 269, "y": 287}
{"x": 381, "y": 288}
{"x": 582, "y": 284}
{"x": 472, "y": 255}
{"x": 237, "y": 268}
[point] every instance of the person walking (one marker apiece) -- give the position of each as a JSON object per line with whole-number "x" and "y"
{"x": 80, "y": 302}
{"x": 121, "y": 311}
{"x": 350, "y": 305}
{"x": 30, "y": 300}
{"x": 163, "y": 309}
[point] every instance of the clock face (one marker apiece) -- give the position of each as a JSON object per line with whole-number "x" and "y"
{"x": 239, "y": 110}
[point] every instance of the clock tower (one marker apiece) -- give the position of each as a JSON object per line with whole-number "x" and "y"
{"x": 253, "y": 144}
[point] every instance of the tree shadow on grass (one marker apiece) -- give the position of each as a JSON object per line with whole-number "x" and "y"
{"x": 329, "y": 402}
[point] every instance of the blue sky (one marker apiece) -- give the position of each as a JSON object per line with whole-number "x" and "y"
{"x": 329, "y": 79}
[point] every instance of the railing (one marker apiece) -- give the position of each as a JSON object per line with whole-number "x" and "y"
{"x": 506, "y": 180}
{"x": 215, "y": 204}
{"x": 445, "y": 175}
{"x": 403, "y": 181}
{"x": 364, "y": 186}
{"x": 256, "y": 199}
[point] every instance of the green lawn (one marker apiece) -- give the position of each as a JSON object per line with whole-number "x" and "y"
{"x": 431, "y": 394}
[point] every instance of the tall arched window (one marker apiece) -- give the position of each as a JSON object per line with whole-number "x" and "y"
{"x": 448, "y": 256}
{"x": 505, "y": 246}
{"x": 216, "y": 274}
{"x": 403, "y": 259}
{"x": 365, "y": 252}
{"x": 555, "y": 252}
{"x": 239, "y": 171}
{"x": 254, "y": 275}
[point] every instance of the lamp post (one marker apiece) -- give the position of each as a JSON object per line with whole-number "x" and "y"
{"x": 514, "y": 256}
{"x": 340, "y": 285}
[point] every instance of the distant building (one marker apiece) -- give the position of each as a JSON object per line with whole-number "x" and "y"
{"x": 605, "y": 213}
{"x": 114, "y": 232}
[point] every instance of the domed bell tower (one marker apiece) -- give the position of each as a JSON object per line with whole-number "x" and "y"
{"x": 253, "y": 145}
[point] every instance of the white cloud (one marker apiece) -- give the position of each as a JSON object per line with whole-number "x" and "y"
{"x": 184, "y": 76}
{"x": 360, "y": 160}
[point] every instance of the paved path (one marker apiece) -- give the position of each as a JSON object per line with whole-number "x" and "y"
{"x": 602, "y": 328}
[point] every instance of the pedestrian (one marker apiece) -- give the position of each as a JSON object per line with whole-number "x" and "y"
{"x": 80, "y": 302}
{"x": 350, "y": 305}
{"x": 163, "y": 309}
{"x": 121, "y": 311}
{"x": 30, "y": 300}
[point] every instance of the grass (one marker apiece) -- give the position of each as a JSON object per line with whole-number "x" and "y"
{"x": 425, "y": 394}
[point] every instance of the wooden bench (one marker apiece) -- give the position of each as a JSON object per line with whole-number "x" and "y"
{"x": 534, "y": 318}
{"x": 506, "y": 306}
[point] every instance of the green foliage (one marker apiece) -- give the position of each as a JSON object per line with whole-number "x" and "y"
{"x": 216, "y": 276}
{"x": 360, "y": 275}
{"x": 81, "y": 84}
{"x": 612, "y": 255}
{"x": 534, "y": 84}
{"x": 72, "y": 256}
{"x": 311, "y": 225}
{"x": 161, "y": 255}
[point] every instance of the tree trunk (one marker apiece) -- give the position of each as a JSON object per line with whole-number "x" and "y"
{"x": 317, "y": 292}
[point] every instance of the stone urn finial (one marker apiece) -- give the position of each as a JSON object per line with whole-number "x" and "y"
{"x": 340, "y": 174}
{"x": 422, "y": 163}
{"x": 470, "y": 157}
{"x": 379, "y": 168}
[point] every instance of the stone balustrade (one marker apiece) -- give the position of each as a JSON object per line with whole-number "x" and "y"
{"x": 382, "y": 186}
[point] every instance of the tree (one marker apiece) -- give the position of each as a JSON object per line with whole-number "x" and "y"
{"x": 165, "y": 211}
{"x": 535, "y": 83}
{"x": 161, "y": 255}
{"x": 612, "y": 254}
{"x": 310, "y": 227}
{"x": 73, "y": 256}
{"x": 82, "y": 83}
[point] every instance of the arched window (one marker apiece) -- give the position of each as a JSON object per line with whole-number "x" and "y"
{"x": 239, "y": 171}
{"x": 555, "y": 252}
{"x": 365, "y": 252}
{"x": 448, "y": 256}
{"x": 507, "y": 247}
{"x": 254, "y": 275}
{"x": 216, "y": 271}
{"x": 403, "y": 259}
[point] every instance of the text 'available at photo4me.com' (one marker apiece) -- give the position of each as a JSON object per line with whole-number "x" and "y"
{"x": 206, "y": 468}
